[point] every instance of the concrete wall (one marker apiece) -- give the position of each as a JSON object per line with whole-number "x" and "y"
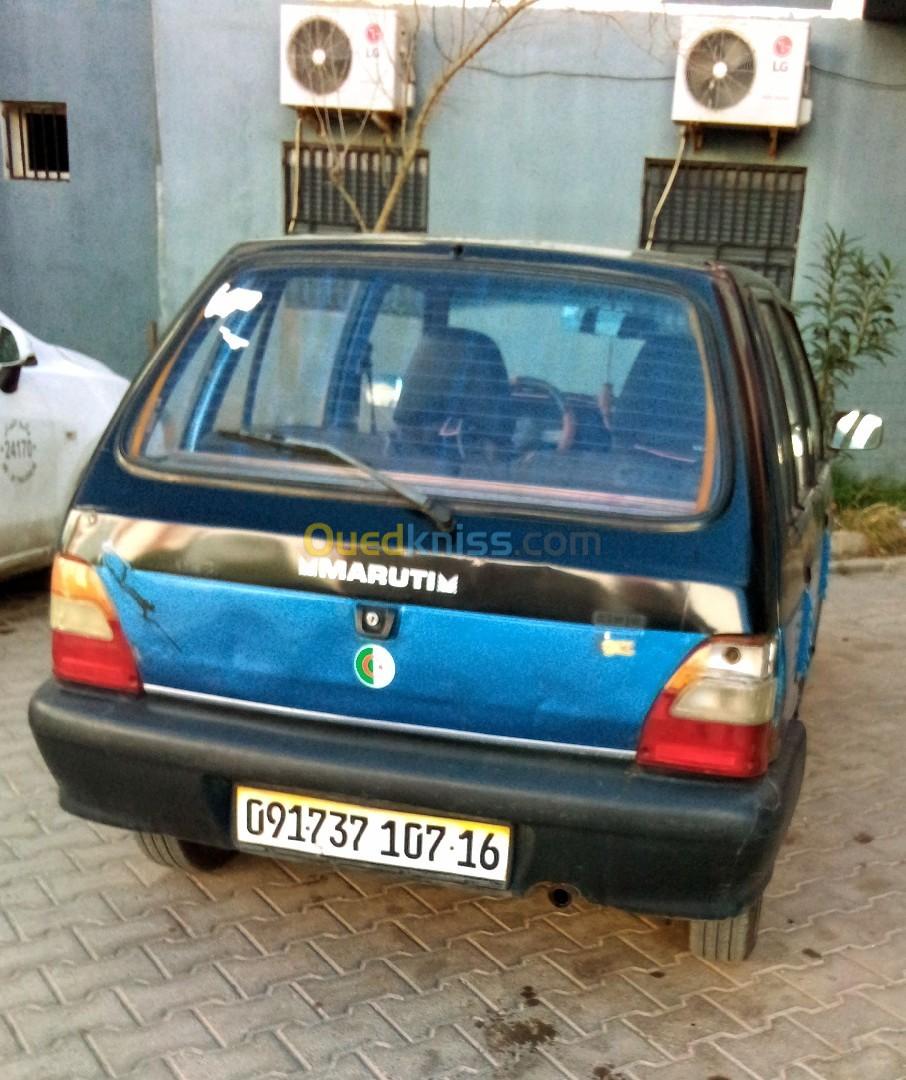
{"x": 221, "y": 133}
{"x": 78, "y": 259}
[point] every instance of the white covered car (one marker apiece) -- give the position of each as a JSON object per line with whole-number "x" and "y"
{"x": 54, "y": 405}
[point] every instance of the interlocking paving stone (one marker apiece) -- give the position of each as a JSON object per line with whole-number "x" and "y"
{"x": 111, "y": 966}
{"x": 430, "y": 970}
{"x": 74, "y": 980}
{"x": 417, "y": 1015}
{"x": 374, "y": 981}
{"x": 43, "y": 1025}
{"x": 871, "y": 1063}
{"x": 255, "y": 974}
{"x": 590, "y": 1009}
{"x": 432, "y": 932}
{"x": 705, "y": 1062}
{"x": 886, "y": 958}
{"x": 782, "y": 1042}
{"x": 157, "y": 927}
{"x": 674, "y": 1030}
{"x": 350, "y": 951}
{"x": 238, "y": 1019}
{"x": 448, "y": 1051}
{"x": 156, "y": 1001}
{"x": 69, "y": 1059}
{"x": 28, "y": 987}
{"x": 362, "y": 1029}
{"x": 9, "y": 1046}
{"x": 182, "y": 955}
{"x": 123, "y": 1049}
{"x": 361, "y": 913}
{"x": 617, "y": 1046}
{"x": 261, "y": 1055}
{"x": 276, "y": 932}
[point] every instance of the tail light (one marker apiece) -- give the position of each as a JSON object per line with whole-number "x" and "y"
{"x": 715, "y": 714}
{"x": 88, "y": 642}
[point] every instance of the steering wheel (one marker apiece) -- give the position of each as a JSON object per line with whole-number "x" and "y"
{"x": 525, "y": 385}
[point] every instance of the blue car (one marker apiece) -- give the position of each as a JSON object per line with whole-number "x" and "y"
{"x": 495, "y": 563}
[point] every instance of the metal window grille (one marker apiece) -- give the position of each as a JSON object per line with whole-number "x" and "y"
{"x": 36, "y": 140}
{"x": 366, "y": 173}
{"x": 746, "y": 214}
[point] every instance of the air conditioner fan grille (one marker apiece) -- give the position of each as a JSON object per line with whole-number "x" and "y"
{"x": 720, "y": 69}
{"x": 320, "y": 55}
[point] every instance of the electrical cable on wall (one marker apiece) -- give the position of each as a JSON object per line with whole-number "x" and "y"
{"x": 875, "y": 84}
{"x": 667, "y": 189}
{"x": 480, "y": 69}
{"x": 296, "y": 174}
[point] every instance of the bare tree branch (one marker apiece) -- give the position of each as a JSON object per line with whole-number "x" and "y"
{"x": 410, "y": 134}
{"x": 410, "y": 66}
{"x": 336, "y": 178}
{"x": 435, "y": 92}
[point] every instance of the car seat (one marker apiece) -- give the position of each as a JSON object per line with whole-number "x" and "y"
{"x": 661, "y": 409}
{"x": 455, "y": 396}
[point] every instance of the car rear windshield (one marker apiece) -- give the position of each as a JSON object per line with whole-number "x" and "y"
{"x": 529, "y": 389}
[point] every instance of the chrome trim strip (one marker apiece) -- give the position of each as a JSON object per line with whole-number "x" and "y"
{"x": 387, "y": 725}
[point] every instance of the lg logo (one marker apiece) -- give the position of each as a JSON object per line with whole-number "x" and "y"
{"x": 783, "y": 46}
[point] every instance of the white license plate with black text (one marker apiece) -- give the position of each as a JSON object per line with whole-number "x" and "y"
{"x": 313, "y": 826}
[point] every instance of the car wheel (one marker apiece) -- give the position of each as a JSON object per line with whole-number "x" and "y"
{"x": 181, "y": 854}
{"x": 726, "y": 940}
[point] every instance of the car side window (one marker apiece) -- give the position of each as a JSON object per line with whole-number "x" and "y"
{"x": 779, "y": 439}
{"x": 397, "y": 329}
{"x": 807, "y": 383}
{"x": 793, "y": 397}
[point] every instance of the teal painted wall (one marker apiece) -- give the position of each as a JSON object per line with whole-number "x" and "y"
{"x": 221, "y": 133}
{"x": 78, "y": 259}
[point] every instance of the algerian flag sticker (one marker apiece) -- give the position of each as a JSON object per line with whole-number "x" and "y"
{"x": 374, "y": 666}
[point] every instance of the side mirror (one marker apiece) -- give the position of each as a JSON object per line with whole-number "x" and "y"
{"x": 11, "y": 361}
{"x": 10, "y": 356}
{"x": 856, "y": 430}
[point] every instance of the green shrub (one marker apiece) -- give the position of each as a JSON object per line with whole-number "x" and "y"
{"x": 852, "y": 492}
{"x": 850, "y": 317}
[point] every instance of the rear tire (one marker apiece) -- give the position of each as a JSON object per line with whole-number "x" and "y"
{"x": 727, "y": 941}
{"x": 181, "y": 854}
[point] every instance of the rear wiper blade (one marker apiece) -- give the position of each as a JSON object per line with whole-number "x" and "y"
{"x": 438, "y": 512}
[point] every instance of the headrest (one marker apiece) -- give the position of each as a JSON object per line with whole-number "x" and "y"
{"x": 458, "y": 374}
{"x": 638, "y": 326}
{"x": 662, "y": 404}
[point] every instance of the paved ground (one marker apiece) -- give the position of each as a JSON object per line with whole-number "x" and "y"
{"x": 110, "y": 966}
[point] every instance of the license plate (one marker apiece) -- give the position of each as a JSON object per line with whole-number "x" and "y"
{"x": 311, "y": 826}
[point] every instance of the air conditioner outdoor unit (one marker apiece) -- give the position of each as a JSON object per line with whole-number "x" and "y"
{"x": 742, "y": 72}
{"x": 344, "y": 57}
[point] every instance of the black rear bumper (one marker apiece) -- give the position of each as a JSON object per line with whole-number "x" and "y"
{"x": 684, "y": 846}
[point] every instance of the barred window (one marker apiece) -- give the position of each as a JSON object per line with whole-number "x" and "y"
{"x": 36, "y": 140}
{"x": 745, "y": 214}
{"x": 314, "y": 202}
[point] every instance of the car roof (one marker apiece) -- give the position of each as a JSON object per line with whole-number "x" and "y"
{"x": 515, "y": 250}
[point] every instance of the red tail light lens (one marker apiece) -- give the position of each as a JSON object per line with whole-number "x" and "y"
{"x": 715, "y": 714}
{"x": 88, "y": 642}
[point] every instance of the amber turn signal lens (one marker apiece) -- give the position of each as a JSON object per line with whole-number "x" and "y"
{"x": 714, "y": 715}
{"x": 89, "y": 645}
